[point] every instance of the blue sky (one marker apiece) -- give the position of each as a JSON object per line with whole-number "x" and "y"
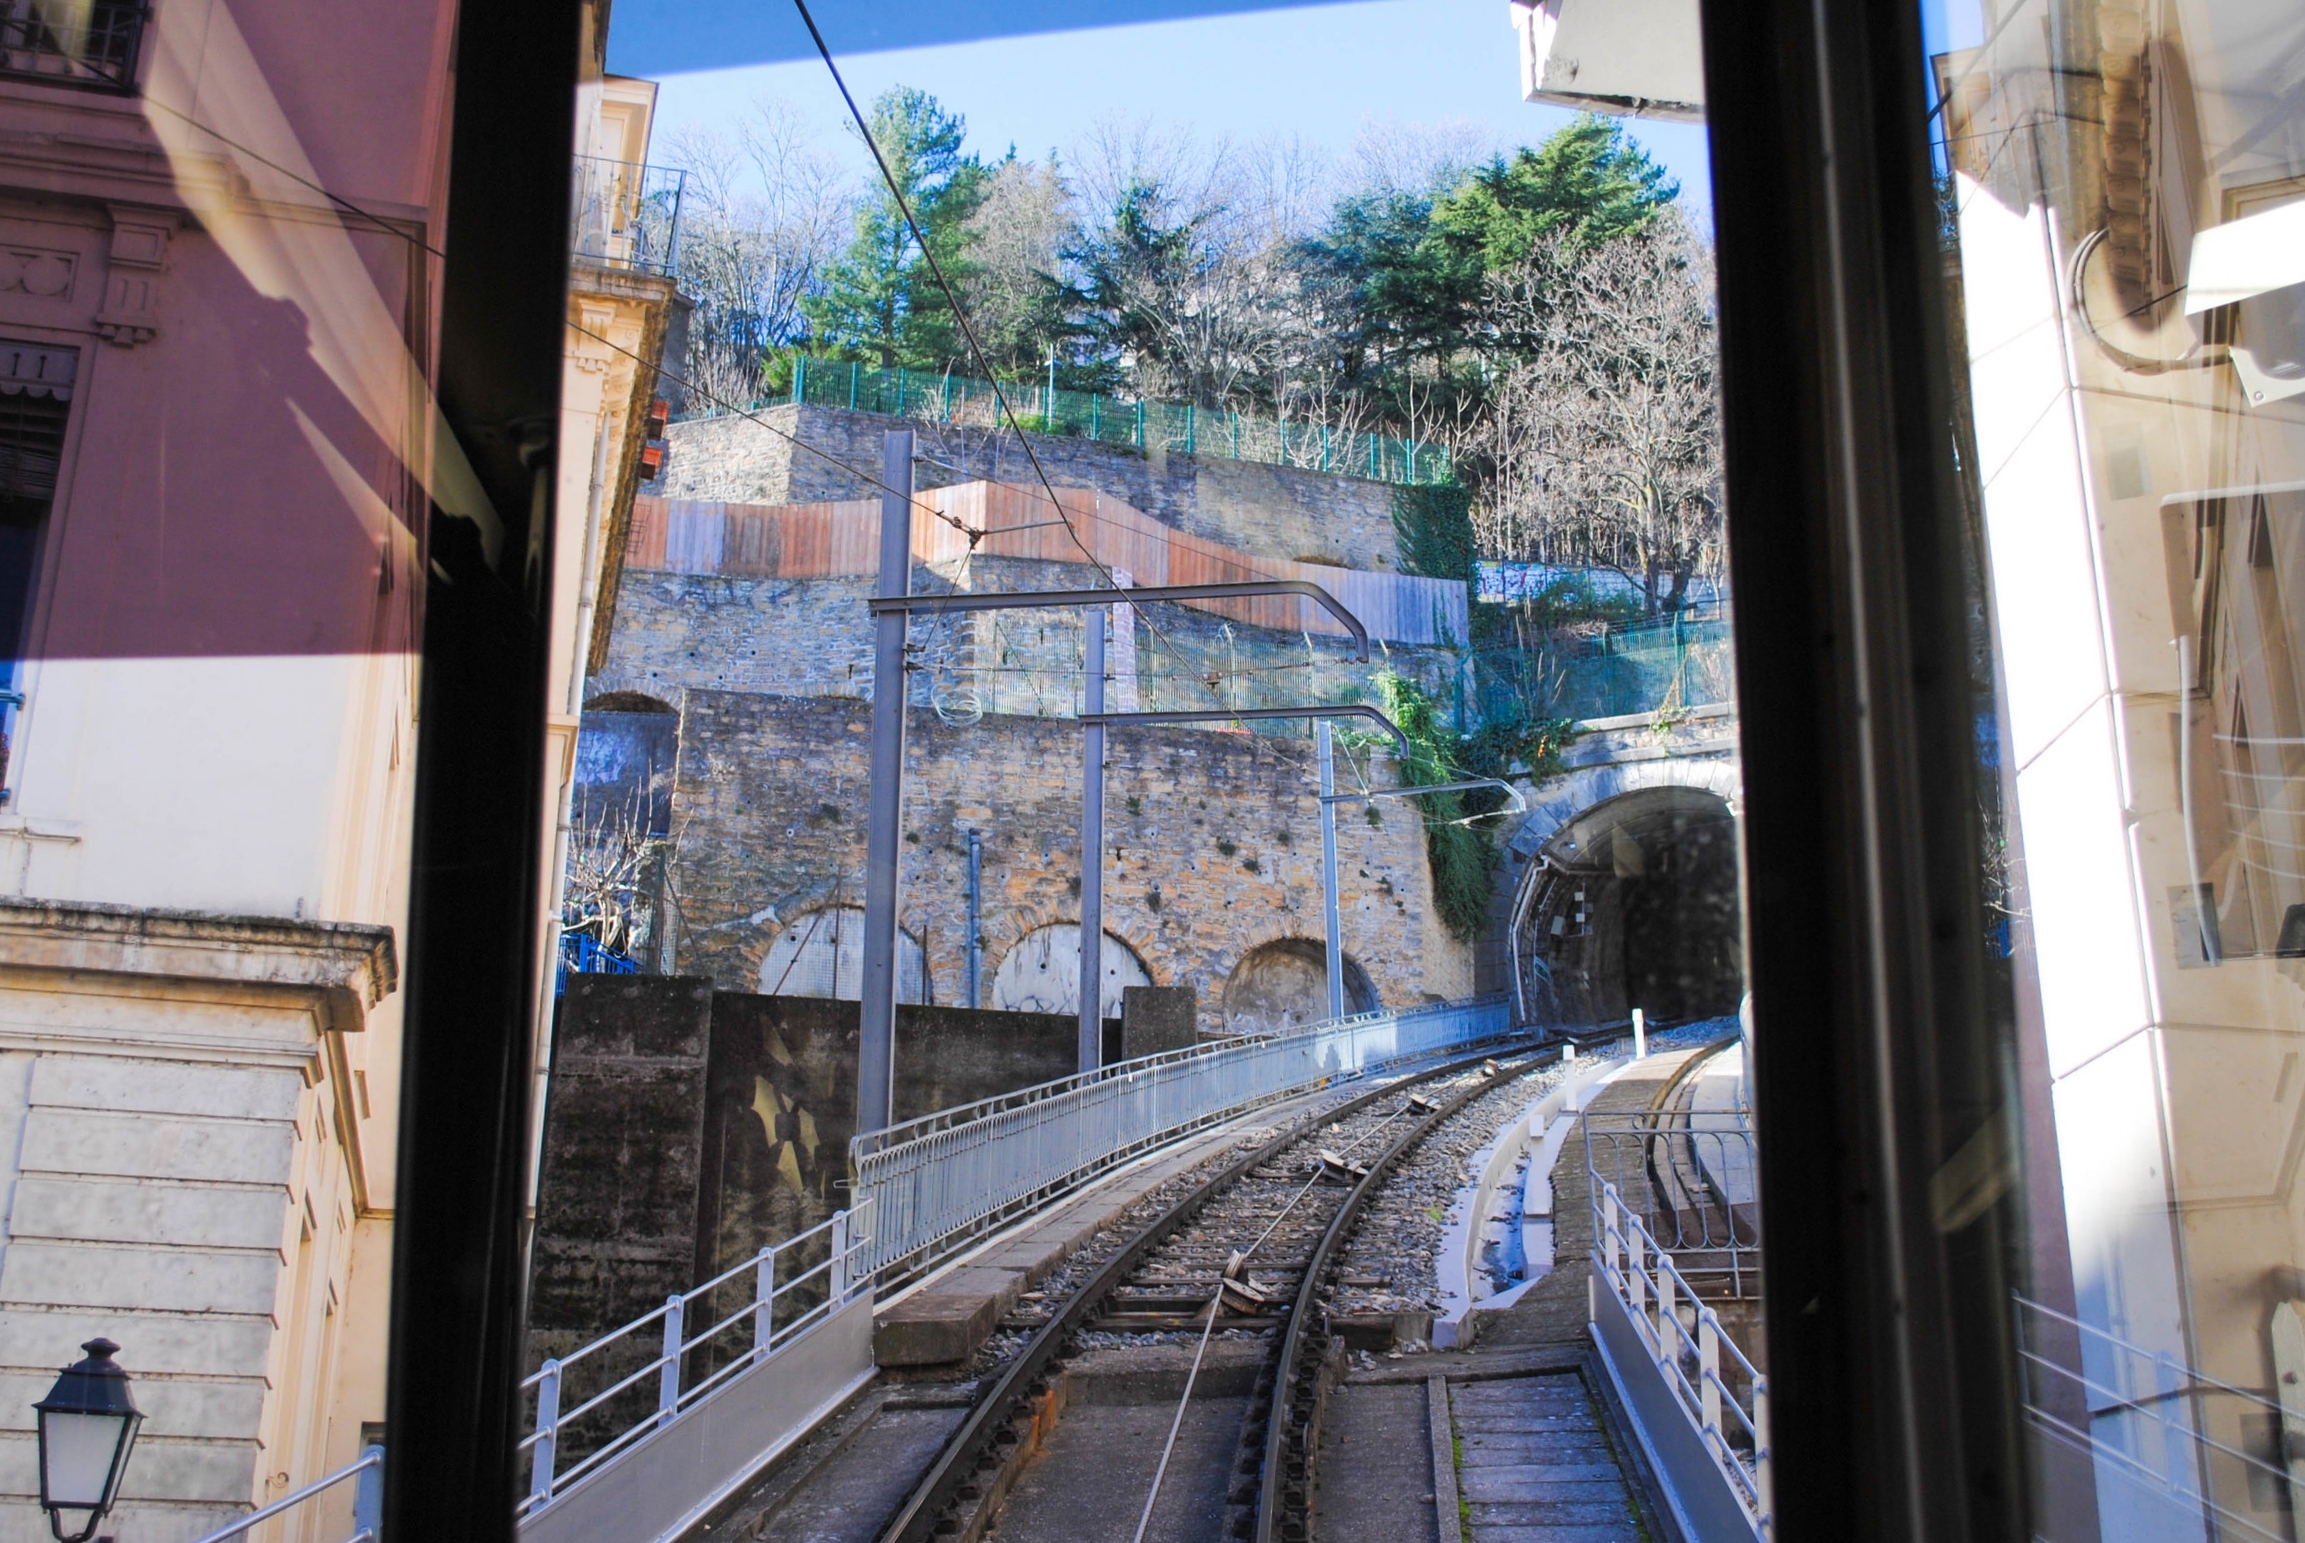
{"x": 1320, "y": 72}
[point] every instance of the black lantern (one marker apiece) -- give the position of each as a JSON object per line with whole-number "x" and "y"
{"x": 87, "y": 1424}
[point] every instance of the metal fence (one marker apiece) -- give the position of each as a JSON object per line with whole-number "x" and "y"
{"x": 626, "y": 215}
{"x": 1181, "y": 427}
{"x": 1720, "y": 1392}
{"x": 936, "y": 1182}
{"x": 779, "y": 1295}
{"x": 366, "y": 1475}
{"x": 2191, "y": 1455}
{"x": 1614, "y": 672}
{"x": 1691, "y": 1179}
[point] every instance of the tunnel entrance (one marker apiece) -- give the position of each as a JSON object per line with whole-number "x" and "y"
{"x": 1634, "y": 903}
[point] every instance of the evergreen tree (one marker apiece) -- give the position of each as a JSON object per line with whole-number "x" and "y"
{"x": 879, "y": 300}
{"x": 1587, "y": 182}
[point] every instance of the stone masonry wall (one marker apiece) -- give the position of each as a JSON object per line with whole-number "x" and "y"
{"x": 1267, "y": 511}
{"x": 1214, "y": 845}
{"x": 813, "y": 637}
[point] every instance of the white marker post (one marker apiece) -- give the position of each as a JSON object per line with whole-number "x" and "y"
{"x": 1640, "y": 1036}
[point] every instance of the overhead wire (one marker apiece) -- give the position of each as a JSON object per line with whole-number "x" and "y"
{"x": 961, "y": 317}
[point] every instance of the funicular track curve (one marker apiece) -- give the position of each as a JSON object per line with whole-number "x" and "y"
{"x": 960, "y": 1491}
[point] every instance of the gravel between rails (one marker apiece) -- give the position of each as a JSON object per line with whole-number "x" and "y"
{"x": 1038, "y": 1305}
{"x": 1388, "y": 1263}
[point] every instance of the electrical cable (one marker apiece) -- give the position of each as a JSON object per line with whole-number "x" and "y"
{"x": 959, "y": 312}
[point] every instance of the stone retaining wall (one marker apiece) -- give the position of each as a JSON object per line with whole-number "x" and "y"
{"x": 1214, "y": 846}
{"x": 1266, "y": 511}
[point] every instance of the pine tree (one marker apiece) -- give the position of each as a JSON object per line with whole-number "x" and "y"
{"x": 880, "y": 301}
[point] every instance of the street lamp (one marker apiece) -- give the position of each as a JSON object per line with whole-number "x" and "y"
{"x": 87, "y": 1426}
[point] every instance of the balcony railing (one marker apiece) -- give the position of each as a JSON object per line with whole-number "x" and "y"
{"x": 87, "y": 43}
{"x": 624, "y": 214}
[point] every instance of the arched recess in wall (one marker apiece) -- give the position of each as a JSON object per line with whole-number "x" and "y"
{"x": 629, "y": 702}
{"x": 821, "y": 954}
{"x": 1284, "y": 983}
{"x": 1041, "y": 973}
{"x": 1634, "y": 903}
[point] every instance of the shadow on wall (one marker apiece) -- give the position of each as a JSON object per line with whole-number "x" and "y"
{"x": 1284, "y": 983}
{"x": 688, "y": 1127}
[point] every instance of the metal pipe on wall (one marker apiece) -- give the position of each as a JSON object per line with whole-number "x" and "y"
{"x": 1335, "y": 932}
{"x": 876, "y": 1048}
{"x": 975, "y": 920}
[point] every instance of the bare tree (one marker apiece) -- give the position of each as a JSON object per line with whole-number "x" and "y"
{"x": 1602, "y": 434}
{"x": 620, "y": 870}
{"x": 764, "y": 211}
{"x": 1016, "y": 240}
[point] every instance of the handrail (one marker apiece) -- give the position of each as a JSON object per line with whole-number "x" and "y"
{"x": 944, "y": 1178}
{"x": 1629, "y": 1261}
{"x": 2192, "y": 1459}
{"x": 367, "y": 1501}
{"x": 846, "y": 1237}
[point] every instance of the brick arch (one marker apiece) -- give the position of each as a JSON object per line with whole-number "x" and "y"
{"x": 820, "y": 953}
{"x": 1283, "y": 982}
{"x": 1040, "y": 971}
{"x": 630, "y": 702}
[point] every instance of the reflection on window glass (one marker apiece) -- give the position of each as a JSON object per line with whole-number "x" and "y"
{"x": 1365, "y": 321}
{"x": 2124, "y": 187}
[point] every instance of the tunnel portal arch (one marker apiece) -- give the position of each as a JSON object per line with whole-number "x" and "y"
{"x": 1633, "y": 902}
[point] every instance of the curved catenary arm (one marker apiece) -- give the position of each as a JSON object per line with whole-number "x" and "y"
{"x": 1032, "y": 600}
{"x": 1252, "y": 715}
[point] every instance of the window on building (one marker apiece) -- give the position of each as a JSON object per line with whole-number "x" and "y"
{"x": 72, "y": 42}
{"x": 34, "y": 397}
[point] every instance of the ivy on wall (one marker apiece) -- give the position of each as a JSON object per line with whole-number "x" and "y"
{"x": 1463, "y": 857}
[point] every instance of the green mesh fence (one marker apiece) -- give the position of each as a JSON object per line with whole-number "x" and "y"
{"x": 1179, "y": 427}
{"x": 1656, "y": 667}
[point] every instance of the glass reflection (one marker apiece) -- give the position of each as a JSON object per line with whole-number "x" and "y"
{"x": 2125, "y": 183}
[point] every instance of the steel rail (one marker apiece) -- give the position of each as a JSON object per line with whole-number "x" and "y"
{"x": 1175, "y": 594}
{"x": 916, "y": 1520}
{"x": 1272, "y": 1481}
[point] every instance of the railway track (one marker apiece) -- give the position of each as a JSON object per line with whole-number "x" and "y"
{"x": 1257, "y": 1241}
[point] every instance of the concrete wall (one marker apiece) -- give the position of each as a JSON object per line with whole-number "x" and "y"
{"x": 691, "y": 1127}
{"x": 1214, "y": 846}
{"x": 783, "y": 1101}
{"x": 1266, "y": 511}
{"x": 176, "y": 1174}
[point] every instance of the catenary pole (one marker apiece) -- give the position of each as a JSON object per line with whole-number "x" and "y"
{"x": 1335, "y": 939}
{"x": 1092, "y": 847}
{"x": 876, "y": 1052}
{"x": 975, "y": 919}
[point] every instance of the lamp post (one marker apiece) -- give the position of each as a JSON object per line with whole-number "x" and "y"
{"x": 88, "y": 1424}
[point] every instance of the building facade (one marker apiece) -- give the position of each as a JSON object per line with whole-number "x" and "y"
{"x": 219, "y": 228}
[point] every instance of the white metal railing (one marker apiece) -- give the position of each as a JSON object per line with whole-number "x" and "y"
{"x": 367, "y": 1475}
{"x": 939, "y": 1180}
{"x": 1688, "y": 1355}
{"x": 806, "y": 1296}
{"x": 2146, "y": 1418}
{"x": 1696, "y": 1175}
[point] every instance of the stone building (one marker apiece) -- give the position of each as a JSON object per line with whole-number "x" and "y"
{"x": 218, "y": 449}
{"x": 741, "y": 611}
